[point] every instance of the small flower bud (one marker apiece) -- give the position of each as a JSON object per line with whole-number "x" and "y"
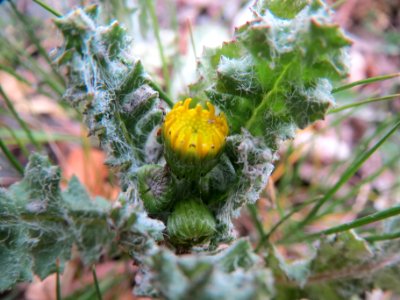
{"x": 191, "y": 223}
{"x": 193, "y": 138}
{"x": 155, "y": 188}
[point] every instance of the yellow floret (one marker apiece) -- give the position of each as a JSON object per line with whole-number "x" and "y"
{"x": 195, "y": 131}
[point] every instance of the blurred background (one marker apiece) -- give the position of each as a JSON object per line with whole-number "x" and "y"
{"x": 168, "y": 36}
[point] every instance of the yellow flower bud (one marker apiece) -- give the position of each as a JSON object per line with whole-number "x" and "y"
{"x": 193, "y": 138}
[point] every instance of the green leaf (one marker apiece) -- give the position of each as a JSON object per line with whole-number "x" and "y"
{"x": 340, "y": 267}
{"x": 273, "y": 78}
{"x": 287, "y": 9}
{"x": 39, "y": 223}
{"x": 231, "y": 274}
{"x": 342, "y": 251}
{"x": 297, "y": 271}
{"x": 111, "y": 90}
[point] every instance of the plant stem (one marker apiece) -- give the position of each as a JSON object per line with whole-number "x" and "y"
{"x": 365, "y": 81}
{"x": 350, "y": 171}
{"x": 156, "y": 27}
{"x": 259, "y": 226}
{"x": 161, "y": 93}
{"x": 11, "y": 158}
{"x": 191, "y": 38}
{"x": 19, "y": 120}
{"x": 359, "y": 103}
{"x": 96, "y": 283}
{"x": 48, "y": 8}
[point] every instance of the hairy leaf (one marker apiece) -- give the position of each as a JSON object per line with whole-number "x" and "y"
{"x": 39, "y": 223}
{"x": 231, "y": 274}
{"x": 111, "y": 89}
{"x": 270, "y": 80}
{"x": 341, "y": 266}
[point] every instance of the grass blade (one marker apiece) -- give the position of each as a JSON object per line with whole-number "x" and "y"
{"x": 18, "y": 118}
{"x": 378, "y": 216}
{"x": 11, "y": 158}
{"x": 192, "y": 39}
{"x": 383, "y": 237}
{"x": 282, "y": 220}
{"x": 32, "y": 36}
{"x": 96, "y": 283}
{"x": 48, "y": 8}
{"x": 350, "y": 171}
{"x": 359, "y": 103}
{"x": 12, "y": 72}
{"x": 14, "y": 136}
{"x": 58, "y": 281}
{"x": 156, "y": 28}
{"x": 365, "y": 81}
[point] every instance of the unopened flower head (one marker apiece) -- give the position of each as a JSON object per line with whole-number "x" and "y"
{"x": 193, "y": 134}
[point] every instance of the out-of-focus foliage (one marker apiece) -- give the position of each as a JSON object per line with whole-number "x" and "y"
{"x": 273, "y": 78}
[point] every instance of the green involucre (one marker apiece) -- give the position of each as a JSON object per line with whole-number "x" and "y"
{"x": 156, "y": 188}
{"x": 190, "y": 223}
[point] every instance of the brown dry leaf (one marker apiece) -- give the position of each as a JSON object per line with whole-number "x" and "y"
{"x": 88, "y": 166}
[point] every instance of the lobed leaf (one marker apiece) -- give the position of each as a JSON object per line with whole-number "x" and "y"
{"x": 341, "y": 267}
{"x": 111, "y": 90}
{"x": 39, "y": 223}
{"x": 270, "y": 80}
{"x": 231, "y": 274}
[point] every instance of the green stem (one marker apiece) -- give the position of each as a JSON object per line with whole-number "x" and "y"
{"x": 161, "y": 93}
{"x": 11, "y": 158}
{"x": 350, "y": 171}
{"x": 259, "y": 226}
{"x": 365, "y": 81}
{"x": 192, "y": 39}
{"x": 48, "y": 8}
{"x": 19, "y": 120}
{"x": 359, "y": 103}
{"x": 156, "y": 27}
{"x": 96, "y": 283}
{"x": 383, "y": 237}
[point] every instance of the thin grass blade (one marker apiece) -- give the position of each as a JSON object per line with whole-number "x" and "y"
{"x": 363, "y": 102}
{"x": 365, "y": 81}
{"x": 350, "y": 171}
